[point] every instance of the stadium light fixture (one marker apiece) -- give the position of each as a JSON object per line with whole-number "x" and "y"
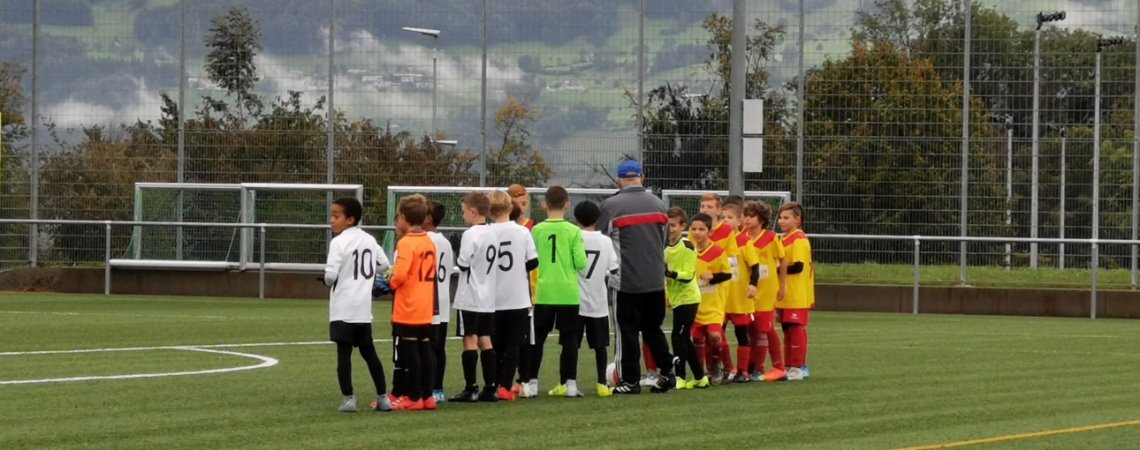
{"x": 445, "y": 142}
{"x": 1045, "y": 17}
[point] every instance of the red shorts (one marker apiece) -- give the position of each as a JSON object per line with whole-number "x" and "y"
{"x": 700, "y": 330}
{"x": 796, "y": 316}
{"x": 765, "y": 321}
{"x": 740, "y": 320}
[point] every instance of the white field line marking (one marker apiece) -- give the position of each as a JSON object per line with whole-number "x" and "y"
{"x": 183, "y": 347}
{"x": 70, "y": 313}
{"x": 265, "y": 362}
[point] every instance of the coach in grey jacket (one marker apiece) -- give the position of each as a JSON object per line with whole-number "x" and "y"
{"x": 636, "y": 222}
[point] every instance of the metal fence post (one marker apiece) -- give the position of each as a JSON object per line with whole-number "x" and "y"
{"x": 107, "y": 258}
{"x": 917, "y": 250}
{"x": 964, "y": 201}
{"x": 34, "y": 167}
{"x": 1092, "y": 291}
{"x": 261, "y": 264}
{"x": 800, "y": 112}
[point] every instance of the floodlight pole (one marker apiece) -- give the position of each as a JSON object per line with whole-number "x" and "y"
{"x": 1100, "y": 45}
{"x": 736, "y": 96}
{"x": 434, "y": 35}
{"x": 1042, "y": 18}
{"x": 483, "y": 106}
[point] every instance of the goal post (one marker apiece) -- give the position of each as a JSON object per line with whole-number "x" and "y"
{"x": 200, "y": 247}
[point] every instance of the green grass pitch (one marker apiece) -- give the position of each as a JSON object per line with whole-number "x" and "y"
{"x": 878, "y": 381}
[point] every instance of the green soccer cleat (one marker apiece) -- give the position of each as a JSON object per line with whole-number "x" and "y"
{"x": 682, "y": 384}
{"x": 702, "y": 383}
{"x": 605, "y": 391}
{"x": 558, "y": 391}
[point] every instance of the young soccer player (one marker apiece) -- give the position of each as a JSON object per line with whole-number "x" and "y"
{"x": 414, "y": 304}
{"x": 799, "y": 297}
{"x": 561, "y": 254}
{"x": 521, "y": 198}
{"x": 738, "y": 306}
{"x": 513, "y": 257}
{"x": 594, "y": 309}
{"x": 684, "y": 297}
{"x": 765, "y": 256}
{"x": 475, "y": 299}
{"x": 712, "y": 269}
{"x": 354, "y": 260}
{"x": 445, "y": 264}
{"x": 722, "y": 235}
{"x": 520, "y": 214}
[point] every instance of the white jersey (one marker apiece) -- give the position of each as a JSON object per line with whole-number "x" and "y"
{"x": 354, "y": 261}
{"x": 601, "y": 261}
{"x": 515, "y": 246}
{"x": 477, "y": 252}
{"x": 445, "y": 266}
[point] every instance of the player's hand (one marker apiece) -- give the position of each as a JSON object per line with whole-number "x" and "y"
{"x": 780, "y": 293}
{"x": 751, "y": 291}
{"x": 706, "y": 276}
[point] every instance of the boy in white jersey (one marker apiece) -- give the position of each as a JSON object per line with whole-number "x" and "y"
{"x": 475, "y": 299}
{"x": 353, "y": 262}
{"x": 515, "y": 256}
{"x": 444, "y": 268}
{"x": 601, "y": 262}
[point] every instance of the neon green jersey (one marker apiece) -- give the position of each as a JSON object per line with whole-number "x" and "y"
{"x": 681, "y": 257}
{"x": 561, "y": 254}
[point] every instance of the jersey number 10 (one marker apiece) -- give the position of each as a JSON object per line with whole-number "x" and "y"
{"x": 363, "y": 264}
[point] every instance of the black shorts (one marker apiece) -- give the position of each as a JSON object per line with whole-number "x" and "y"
{"x": 439, "y": 332}
{"x": 475, "y": 324}
{"x": 511, "y": 327}
{"x": 419, "y": 332}
{"x": 355, "y": 334}
{"x": 563, "y": 317}
{"x": 597, "y": 331}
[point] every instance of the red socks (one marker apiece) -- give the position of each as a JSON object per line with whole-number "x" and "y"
{"x": 795, "y": 345}
{"x": 726, "y": 356}
{"x": 773, "y": 347}
{"x": 650, "y": 365}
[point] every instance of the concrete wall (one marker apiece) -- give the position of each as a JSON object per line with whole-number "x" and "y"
{"x": 897, "y": 299}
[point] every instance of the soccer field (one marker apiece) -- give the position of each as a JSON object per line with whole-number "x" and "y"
{"x": 877, "y": 381}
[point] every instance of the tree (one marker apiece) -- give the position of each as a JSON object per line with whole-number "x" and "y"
{"x": 11, "y": 93}
{"x": 685, "y": 135}
{"x": 885, "y": 148}
{"x": 234, "y": 41}
{"x": 516, "y": 160}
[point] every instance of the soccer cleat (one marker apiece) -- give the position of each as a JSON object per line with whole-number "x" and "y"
{"x": 429, "y": 403}
{"x": 716, "y": 373}
{"x": 409, "y": 405}
{"x": 649, "y": 380}
{"x": 702, "y": 383}
{"x": 504, "y": 394}
{"x": 741, "y": 378}
{"x": 795, "y": 374}
{"x": 558, "y": 391}
{"x": 572, "y": 389}
{"x": 530, "y": 389}
{"x": 757, "y": 376}
{"x": 439, "y": 396}
{"x": 727, "y": 378}
{"x": 627, "y": 388}
{"x": 775, "y": 375}
{"x": 605, "y": 391}
{"x": 349, "y": 404}
{"x": 383, "y": 403}
{"x": 489, "y": 395}
{"x": 682, "y": 384}
{"x": 516, "y": 388}
{"x": 664, "y": 383}
{"x": 469, "y": 395}
{"x": 401, "y": 403}
{"x": 804, "y": 370}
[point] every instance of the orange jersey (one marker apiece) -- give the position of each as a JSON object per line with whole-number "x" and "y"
{"x": 800, "y": 291}
{"x": 413, "y": 280}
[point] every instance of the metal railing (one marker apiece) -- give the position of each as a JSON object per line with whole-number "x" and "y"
{"x": 263, "y": 230}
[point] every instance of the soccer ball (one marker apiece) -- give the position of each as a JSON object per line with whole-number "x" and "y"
{"x": 612, "y": 378}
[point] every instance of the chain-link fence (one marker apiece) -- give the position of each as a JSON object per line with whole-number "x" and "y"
{"x": 866, "y": 114}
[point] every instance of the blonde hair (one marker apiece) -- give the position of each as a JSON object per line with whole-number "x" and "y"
{"x": 500, "y": 204}
{"x": 711, "y": 197}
